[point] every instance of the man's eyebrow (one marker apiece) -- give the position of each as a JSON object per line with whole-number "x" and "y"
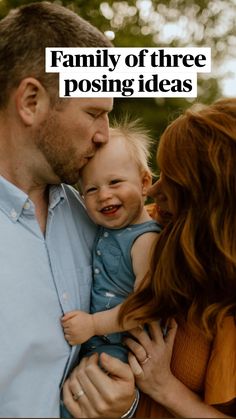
{"x": 100, "y": 110}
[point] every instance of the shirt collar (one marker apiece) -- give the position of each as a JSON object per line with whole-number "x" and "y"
{"x": 13, "y": 200}
{"x": 56, "y": 195}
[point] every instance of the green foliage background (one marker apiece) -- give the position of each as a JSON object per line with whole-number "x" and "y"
{"x": 150, "y": 23}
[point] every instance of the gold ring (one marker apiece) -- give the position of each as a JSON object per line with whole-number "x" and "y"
{"x": 77, "y": 395}
{"x": 145, "y": 360}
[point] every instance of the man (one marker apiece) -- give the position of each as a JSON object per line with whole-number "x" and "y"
{"x": 46, "y": 236}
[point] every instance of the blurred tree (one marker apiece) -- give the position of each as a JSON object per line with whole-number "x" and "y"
{"x": 152, "y": 23}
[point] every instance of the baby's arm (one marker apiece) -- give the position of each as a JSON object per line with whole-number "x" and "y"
{"x": 79, "y": 326}
{"x": 141, "y": 255}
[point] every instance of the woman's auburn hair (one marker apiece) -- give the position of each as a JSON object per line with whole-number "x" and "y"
{"x": 193, "y": 265}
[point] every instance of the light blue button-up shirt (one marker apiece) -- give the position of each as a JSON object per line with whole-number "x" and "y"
{"x": 41, "y": 277}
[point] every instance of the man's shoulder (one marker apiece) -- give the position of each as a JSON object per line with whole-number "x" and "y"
{"x": 72, "y": 194}
{"x": 77, "y": 209}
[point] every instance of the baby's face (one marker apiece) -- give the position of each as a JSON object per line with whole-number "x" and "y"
{"x": 112, "y": 186}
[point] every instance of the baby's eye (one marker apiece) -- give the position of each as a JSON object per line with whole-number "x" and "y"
{"x": 115, "y": 181}
{"x": 89, "y": 190}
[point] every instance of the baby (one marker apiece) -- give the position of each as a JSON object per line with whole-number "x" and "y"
{"x": 114, "y": 184}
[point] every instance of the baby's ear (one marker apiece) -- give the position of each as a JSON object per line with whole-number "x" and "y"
{"x": 146, "y": 182}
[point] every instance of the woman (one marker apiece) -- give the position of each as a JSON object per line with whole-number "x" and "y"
{"x": 191, "y": 371}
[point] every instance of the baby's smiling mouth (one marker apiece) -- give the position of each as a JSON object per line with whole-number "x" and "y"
{"x": 110, "y": 209}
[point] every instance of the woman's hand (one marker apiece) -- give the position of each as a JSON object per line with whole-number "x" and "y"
{"x": 150, "y": 358}
{"x": 150, "y": 363}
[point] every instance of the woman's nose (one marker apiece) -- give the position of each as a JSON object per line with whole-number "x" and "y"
{"x": 156, "y": 192}
{"x": 154, "y": 189}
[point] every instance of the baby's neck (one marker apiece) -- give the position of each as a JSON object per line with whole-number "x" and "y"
{"x": 143, "y": 218}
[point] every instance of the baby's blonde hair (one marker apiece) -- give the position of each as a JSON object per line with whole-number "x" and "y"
{"x": 137, "y": 139}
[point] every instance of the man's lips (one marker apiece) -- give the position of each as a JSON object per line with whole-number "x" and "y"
{"x": 89, "y": 157}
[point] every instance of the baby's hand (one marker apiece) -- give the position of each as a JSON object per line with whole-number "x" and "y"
{"x": 78, "y": 326}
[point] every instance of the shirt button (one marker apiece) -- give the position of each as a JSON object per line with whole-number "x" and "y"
{"x": 13, "y": 213}
{"x": 27, "y": 205}
{"x": 106, "y": 234}
{"x": 65, "y": 296}
{"x": 99, "y": 252}
{"x": 96, "y": 271}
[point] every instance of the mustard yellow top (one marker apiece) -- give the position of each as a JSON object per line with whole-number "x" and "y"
{"x": 206, "y": 367}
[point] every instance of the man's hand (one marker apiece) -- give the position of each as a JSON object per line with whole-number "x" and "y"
{"x": 92, "y": 392}
{"x": 78, "y": 327}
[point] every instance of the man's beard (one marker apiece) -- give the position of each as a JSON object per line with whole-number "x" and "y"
{"x": 53, "y": 144}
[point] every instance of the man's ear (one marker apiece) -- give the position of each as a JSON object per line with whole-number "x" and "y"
{"x": 146, "y": 182}
{"x": 32, "y": 101}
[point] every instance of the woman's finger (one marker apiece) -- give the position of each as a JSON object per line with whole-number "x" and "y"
{"x": 155, "y": 331}
{"x": 134, "y": 365}
{"x": 170, "y": 337}
{"x": 138, "y": 350}
{"x": 143, "y": 339}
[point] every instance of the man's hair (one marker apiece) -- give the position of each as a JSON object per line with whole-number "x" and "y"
{"x": 137, "y": 139}
{"x": 25, "y": 33}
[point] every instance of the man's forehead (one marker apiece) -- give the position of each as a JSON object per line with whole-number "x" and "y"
{"x": 104, "y": 104}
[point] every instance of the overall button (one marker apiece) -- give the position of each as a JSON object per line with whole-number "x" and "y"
{"x": 106, "y": 234}
{"x": 99, "y": 252}
{"x": 96, "y": 271}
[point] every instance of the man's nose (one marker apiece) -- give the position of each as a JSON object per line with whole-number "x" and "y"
{"x": 102, "y": 133}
